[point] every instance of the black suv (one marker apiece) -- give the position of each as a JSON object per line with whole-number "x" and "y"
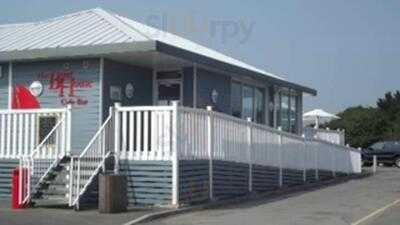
{"x": 387, "y": 152}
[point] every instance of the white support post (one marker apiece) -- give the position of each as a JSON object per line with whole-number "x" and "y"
{"x": 316, "y": 164}
{"x": 117, "y": 137}
{"x": 101, "y": 90}
{"x": 250, "y": 155}
{"x": 68, "y": 121}
{"x": 71, "y": 182}
{"x": 210, "y": 145}
{"x": 280, "y": 158}
{"x": 305, "y": 158}
{"x": 374, "y": 163}
{"x": 333, "y": 161}
{"x": 175, "y": 154}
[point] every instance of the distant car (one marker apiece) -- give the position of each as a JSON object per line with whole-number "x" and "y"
{"x": 387, "y": 152}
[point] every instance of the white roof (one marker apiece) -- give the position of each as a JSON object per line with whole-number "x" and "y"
{"x": 97, "y": 27}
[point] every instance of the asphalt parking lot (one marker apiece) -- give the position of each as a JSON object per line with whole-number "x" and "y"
{"x": 389, "y": 217}
{"x": 343, "y": 203}
{"x": 62, "y": 216}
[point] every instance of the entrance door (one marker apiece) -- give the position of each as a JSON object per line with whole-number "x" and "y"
{"x": 169, "y": 90}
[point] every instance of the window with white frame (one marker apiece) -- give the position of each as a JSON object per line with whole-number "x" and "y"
{"x": 45, "y": 125}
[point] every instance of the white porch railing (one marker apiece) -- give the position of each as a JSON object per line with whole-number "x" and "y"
{"x": 207, "y": 134}
{"x": 144, "y": 133}
{"x": 19, "y": 133}
{"x": 46, "y": 155}
{"x": 176, "y": 133}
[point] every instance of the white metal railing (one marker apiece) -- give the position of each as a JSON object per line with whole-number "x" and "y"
{"x": 238, "y": 140}
{"x": 45, "y": 155}
{"x": 176, "y": 133}
{"x": 19, "y": 132}
{"x": 85, "y": 167}
{"x": 334, "y": 136}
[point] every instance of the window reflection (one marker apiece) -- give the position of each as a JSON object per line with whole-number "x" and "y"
{"x": 259, "y": 105}
{"x": 293, "y": 116}
{"x": 236, "y": 102}
{"x": 285, "y": 122}
{"x": 247, "y": 102}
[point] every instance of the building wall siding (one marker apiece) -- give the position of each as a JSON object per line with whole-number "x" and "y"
{"x": 119, "y": 75}
{"x": 85, "y": 96}
{"x": 230, "y": 179}
{"x": 6, "y": 168}
{"x": 148, "y": 182}
{"x": 194, "y": 179}
{"x": 208, "y": 81}
{"x": 4, "y": 87}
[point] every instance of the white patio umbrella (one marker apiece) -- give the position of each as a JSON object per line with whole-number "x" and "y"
{"x": 317, "y": 115}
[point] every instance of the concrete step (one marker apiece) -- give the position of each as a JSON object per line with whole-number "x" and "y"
{"x": 51, "y": 201}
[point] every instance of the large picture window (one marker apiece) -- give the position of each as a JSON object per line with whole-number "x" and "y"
{"x": 247, "y": 102}
{"x": 285, "y": 122}
{"x": 293, "y": 113}
{"x": 46, "y": 124}
{"x": 236, "y": 99}
{"x": 259, "y": 105}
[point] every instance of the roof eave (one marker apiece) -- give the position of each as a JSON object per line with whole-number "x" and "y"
{"x": 201, "y": 59}
{"x": 77, "y": 51}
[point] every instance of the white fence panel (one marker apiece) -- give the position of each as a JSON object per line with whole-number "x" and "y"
{"x": 147, "y": 133}
{"x": 144, "y": 133}
{"x": 22, "y": 130}
{"x": 193, "y": 123}
{"x": 230, "y": 139}
{"x": 265, "y": 147}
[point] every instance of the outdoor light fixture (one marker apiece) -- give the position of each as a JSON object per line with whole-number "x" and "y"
{"x": 36, "y": 88}
{"x": 129, "y": 90}
{"x": 214, "y": 96}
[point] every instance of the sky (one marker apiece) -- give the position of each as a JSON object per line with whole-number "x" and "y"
{"x": 349, "y": 51}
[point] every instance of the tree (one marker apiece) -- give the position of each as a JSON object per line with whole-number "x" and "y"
{"x": 363, "y": 126}
{"x": 389, "y": 107}
{"x": 367, "y": 125}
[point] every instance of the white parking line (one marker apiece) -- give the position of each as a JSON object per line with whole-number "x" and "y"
{"x": 376, "y": 213}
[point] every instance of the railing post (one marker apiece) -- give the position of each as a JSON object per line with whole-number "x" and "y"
{"x": 280, "y": 158}
{"x": 78, "y": 183}
{"x": 333, "y": 160}
{"x": 305, "y": 158}
{"x": 210, "y": 146}
{"x": 68, "y": 129}
{"x": 175, "y": 154}
{"x": 250, "y": 153}
{"x": 359, "y": 163}
{"x": 316, "y": 163}
{"x": 374, "y": 163}
{"x": 71, "y": 182}
{"x": 117, "y": 137}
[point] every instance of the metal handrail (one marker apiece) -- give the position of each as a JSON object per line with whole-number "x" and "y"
{"x": 74, "y": 201}
{"x": 31, "y": 159}
{"x": 95, "y": 136}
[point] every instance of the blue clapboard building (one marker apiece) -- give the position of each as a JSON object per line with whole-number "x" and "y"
{"x": 94, "y": 90}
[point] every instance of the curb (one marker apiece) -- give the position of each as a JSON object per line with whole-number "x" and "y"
{"x": 248, "y": 198}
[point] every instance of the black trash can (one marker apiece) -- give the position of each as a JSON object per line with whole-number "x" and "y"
{"x": 112, "y": 193}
